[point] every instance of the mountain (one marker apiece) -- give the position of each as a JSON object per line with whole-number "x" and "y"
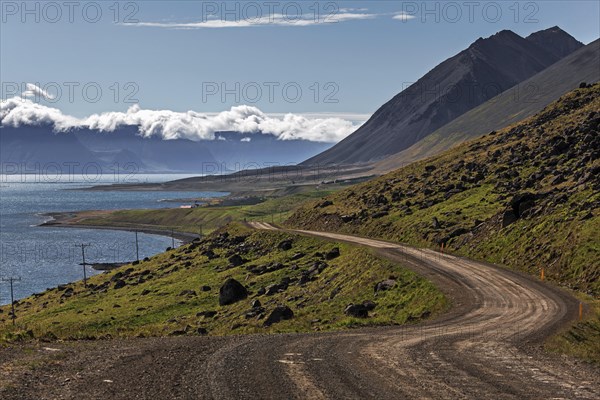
{"x": 127, "y": 149}
{"x": 509, "y": 107}
{"x": 36, "y": 149}
{"x": 488, "y": 67}
{"x": 555, "y": 41}
{"x": 527, "y": 197}
{"x": 33, "y": 148}
{"x": 245, "y": 151}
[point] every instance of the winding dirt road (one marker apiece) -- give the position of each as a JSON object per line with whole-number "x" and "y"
{"x": 486, "y": 347}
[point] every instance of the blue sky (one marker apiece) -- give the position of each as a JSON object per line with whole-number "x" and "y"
{"x": 174, "y": 61}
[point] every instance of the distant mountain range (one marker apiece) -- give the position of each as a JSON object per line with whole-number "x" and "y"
{"x": 39, "y": 149}
{"x": 487, "y": 68}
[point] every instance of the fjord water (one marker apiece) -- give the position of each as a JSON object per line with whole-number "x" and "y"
{"x": 45, "y": 257}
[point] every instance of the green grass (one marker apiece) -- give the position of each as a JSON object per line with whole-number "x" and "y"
{"x": 207, "y": 219}
{"x": 561, "y": 235}
{"x": 581, "y": 339}
{"x": 162, "y": 311}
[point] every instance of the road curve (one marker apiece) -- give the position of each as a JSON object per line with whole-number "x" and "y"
{"x": 486, "y": 347}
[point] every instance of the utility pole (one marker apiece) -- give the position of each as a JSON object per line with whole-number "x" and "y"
{"x": 137, "y": 247}
{"x": 83, "y": 263}
{"x": 12, "y": 295}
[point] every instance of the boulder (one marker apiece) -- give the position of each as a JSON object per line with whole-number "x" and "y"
{"x": 232, "y": 291}
{"x": 508, "y": 218}
{"x": 385, "y": 285}
{"x": 120, "y": 284}
{"x": 280, "y": 313}
{"x": 357, "y": 311}
{"x": 236, "y": 260}
{"x": 333, "y": 253}
{"x": 285, "y": 245}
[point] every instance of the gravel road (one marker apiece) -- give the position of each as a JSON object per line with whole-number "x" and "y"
{"x": 488, "y": 346}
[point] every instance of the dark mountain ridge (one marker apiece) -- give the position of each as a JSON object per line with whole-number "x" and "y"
{"x": 485, "y": 69}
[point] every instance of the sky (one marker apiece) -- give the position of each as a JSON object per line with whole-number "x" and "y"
{"x": 335, "y": 61}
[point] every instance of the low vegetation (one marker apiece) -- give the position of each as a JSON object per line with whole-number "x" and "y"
{"x": 201, "y": 219}
{"x": 527, "y": 197}
{"x": 236, "y": 280}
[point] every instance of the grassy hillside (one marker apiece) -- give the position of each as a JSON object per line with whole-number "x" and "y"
{"x": 527, "y": 197}
{"x": 178, "y": 292}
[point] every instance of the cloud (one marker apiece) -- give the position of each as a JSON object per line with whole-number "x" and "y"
{"x": 34, "y": 91}
{"x": 246, "y": 139}
{"x": 271, "y": 20}
{"x": 190, "y": 125}
{"x": 403, "y": 16}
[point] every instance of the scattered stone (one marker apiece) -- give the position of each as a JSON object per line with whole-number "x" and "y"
{"x": 255, "y": 303}
{"x": 205, "y": 288}
{"x": 120, "y": 284}
{"x": 285, "y": 245}
{"x": 280, "y": 313}
{"x": 206, "y": 314}
{"x": 188, "y": 292}
{"x": 385, "y": 285}
{"x": 202, "y": 331}
{"x": 236, "y": 260}
{"x": 333, "y": 253}
{"x": 232, "y": 291}
{"x": 357, "y": 310}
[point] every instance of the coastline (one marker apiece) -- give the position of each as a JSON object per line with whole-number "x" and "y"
{"x": 69, "y": 219}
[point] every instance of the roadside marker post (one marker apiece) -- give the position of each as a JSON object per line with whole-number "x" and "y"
{"x": 11, "y": 280}
{"x": 580, "y": 311}
{"x": 542, "y": 274}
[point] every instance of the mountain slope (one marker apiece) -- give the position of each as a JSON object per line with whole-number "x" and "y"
{"x": 515, "y": 104}
{"x": 475, "y": 75}
{"x": 526, "y": 197}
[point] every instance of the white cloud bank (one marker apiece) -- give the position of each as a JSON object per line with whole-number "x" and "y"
{"x": 192, "y": 125}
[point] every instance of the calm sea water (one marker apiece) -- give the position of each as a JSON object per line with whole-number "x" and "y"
{"x": 45, "y": 257}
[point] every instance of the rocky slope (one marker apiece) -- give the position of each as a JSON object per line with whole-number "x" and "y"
{"x": 527, "y": 197}
{"x": 488, "y": 67}
{"x": 235, "y": 281}
{"x": 519, "y": 102}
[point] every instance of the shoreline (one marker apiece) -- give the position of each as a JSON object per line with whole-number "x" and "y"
{"x": 67, "y": 219}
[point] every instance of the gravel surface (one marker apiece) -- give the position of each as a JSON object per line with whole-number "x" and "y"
{"x": 488, "y": 346}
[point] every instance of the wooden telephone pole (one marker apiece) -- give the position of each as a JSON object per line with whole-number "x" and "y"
{"x": 83, "y": 263}
{"x": 11, "y": 280}
{"x": 137, "y": 247}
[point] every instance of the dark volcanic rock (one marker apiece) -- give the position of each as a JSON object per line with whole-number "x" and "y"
{"x": 333, "y": 253}
{"x": 280, "y": 313}
{"x": 357, "y": 310}
{"x": 120, "y": 284}
{"x": 385, "y": 285}
{"x": 231, "y": 292}
{"x": 236, "y": 260}
{"x": 285, "y": 245}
